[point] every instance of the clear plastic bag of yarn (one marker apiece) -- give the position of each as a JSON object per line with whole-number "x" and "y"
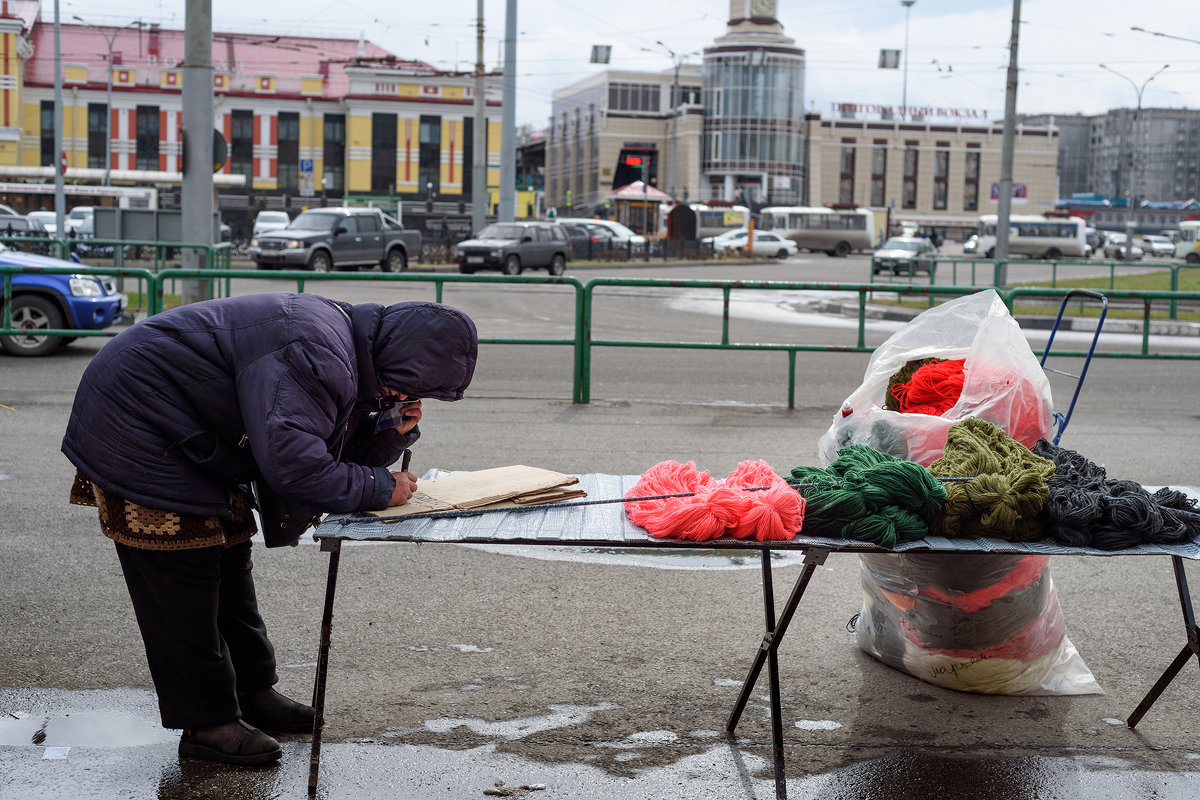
{"x": 1003, "y": 383}
{"x": 982, "y": 623}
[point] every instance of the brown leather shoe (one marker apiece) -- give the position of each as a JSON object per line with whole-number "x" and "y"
{"x": 271, "y": 711}
{"x": 232, "y": 743}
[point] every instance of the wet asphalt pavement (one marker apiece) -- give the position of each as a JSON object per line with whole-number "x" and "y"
{"x": 463, "y": 672}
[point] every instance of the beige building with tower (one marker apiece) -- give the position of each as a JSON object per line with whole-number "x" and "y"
{"x": 743, "y": 137}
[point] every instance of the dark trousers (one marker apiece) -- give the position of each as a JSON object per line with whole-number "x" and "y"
{"x": 204, "y": 638}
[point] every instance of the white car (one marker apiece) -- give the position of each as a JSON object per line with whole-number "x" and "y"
{"x": 1118, "y": 248}
{"x": 766, "y": 244}
{"x": 718, "y": 242}
{"x": 1154, "y": 246}
{"x": 77, "y": 217}
{"x": 48, "y": 219}
{"x": 268, "y": 221}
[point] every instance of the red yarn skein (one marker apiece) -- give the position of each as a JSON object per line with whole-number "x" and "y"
{"x": 933, "y": 389}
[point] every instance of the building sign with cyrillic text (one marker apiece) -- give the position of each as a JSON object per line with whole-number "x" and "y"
{"x": 913, "y": 112}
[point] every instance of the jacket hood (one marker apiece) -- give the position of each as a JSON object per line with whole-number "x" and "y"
{"x": 420, "y": 349}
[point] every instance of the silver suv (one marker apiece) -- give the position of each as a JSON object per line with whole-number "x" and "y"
{"x": 513, "y": 247}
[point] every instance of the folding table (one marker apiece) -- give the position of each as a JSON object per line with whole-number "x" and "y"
{"x": 590, "y": 523}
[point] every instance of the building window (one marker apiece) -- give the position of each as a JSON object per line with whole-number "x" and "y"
{"x": 430, "y": 163}
{"x": 941, "y": 175}
{"x": 879, "y": 173}
{"x": 971, "y": 178}
{"x": 48, "y": 128}
{"x": 147, "y": 137}
{"x": 846, "y": 181}
{"x": 241, "y": 144}
{"x": 383, "y": 152}
{"x": 634, "y": 97}
{"x": 98, "y": 136}
{"x": 287, "y": 171}
{"x": 334, "y": 154}
{"x": 909, "y": 195}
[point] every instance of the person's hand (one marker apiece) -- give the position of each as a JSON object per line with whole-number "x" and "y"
{"x": 406, "y": 484}
{"x": 412, "y": 415}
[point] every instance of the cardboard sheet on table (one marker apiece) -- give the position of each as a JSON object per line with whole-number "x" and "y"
{"x": 497, "y": 487}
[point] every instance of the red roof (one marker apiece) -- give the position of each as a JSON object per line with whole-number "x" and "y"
{"x": 242, "y": 56}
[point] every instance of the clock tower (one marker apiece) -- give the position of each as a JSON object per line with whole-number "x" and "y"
{"x": 754, "y": 110}
{"x": 759, "y": 11}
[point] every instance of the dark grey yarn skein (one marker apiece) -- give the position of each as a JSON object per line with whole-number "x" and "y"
{"x": 1087, "y": 509}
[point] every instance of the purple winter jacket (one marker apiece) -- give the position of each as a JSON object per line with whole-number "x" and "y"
{"x": 191, "y": 403}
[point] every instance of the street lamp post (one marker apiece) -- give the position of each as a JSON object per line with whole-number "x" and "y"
{"x": 677, "y": 59}
{"x": 908, "y": 4}
{"x": 108, "y": 40}
{"x": 1131, "y": 189}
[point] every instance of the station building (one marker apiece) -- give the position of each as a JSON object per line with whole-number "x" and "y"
{"x": 742, "y": 136}
{"x": 936, "y": 172}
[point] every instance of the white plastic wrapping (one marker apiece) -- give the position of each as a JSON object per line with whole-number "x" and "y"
{"x": 986, "y": 623}
{"x": 983, "y": 623}
{"x": 1003, "y": 383}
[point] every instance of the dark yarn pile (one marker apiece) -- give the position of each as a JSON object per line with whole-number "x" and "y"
{"x": 870, "y": 496}
{"x": 1087, "y": 509}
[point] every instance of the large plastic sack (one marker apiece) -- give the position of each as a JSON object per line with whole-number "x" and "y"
{"x": 986, "y": 623}
{"x": 1003, "y": 383}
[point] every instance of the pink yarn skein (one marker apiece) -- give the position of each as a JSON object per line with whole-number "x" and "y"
{"x": 716, "y": 509}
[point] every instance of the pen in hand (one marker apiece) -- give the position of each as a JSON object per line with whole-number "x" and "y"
{"x": 405, "y": 486}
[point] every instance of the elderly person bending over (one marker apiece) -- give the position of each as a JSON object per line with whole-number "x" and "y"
{"x": 306, "y": 399}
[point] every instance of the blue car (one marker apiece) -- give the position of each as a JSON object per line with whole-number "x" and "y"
{"x": 42, "y": 301}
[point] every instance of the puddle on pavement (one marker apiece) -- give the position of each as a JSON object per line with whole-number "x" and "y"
{"x": 87, "y": 729}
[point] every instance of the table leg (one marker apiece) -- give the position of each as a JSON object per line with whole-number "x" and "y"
{"x": 768, "y": 653}
{"x": 1191, "y": 648}
{"x": 314, "y": 760}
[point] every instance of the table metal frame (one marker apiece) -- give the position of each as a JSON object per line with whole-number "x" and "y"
{"x": 815, "y": 550}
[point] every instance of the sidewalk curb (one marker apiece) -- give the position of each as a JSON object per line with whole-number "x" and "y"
{"x": 1159, "y": 327}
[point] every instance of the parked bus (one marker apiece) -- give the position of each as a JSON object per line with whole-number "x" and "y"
{"x": 1036, "y": 237}
{"x": 833, "y": 231}
{"x": 1188, "y": 246}
{"x": 715, "y": 219}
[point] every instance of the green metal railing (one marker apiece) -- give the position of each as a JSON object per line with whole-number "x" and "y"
{"x": 583, "y": 343}
{"x": 986, "y": 273}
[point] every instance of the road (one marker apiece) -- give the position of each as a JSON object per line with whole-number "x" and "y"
{"x": 597, "y": 677}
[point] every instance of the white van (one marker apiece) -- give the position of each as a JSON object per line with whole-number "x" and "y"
{"x": 621, "y": 234}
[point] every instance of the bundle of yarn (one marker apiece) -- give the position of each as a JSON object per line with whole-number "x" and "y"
{"x": 926, "y": 386}
{"x": 1087, "y": 509}
{"x": 1007, "y": 490}
{"x": 870, "y": 496}
{"x": 752, "y": 503}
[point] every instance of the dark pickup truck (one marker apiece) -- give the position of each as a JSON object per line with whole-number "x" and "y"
{"x": 322, "y": 239}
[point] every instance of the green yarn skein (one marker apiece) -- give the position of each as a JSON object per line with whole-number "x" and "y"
{"x": 1008, "y": 491}
{"x": 870, "y": 496}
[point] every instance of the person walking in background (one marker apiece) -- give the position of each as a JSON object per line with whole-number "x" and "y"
{"x": 306, "y": 398}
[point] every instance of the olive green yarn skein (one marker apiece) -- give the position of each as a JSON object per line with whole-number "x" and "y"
{"x": 1007, "y": 492}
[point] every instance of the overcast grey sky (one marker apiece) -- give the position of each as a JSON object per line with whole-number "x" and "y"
{"x": 958, "y": 49}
